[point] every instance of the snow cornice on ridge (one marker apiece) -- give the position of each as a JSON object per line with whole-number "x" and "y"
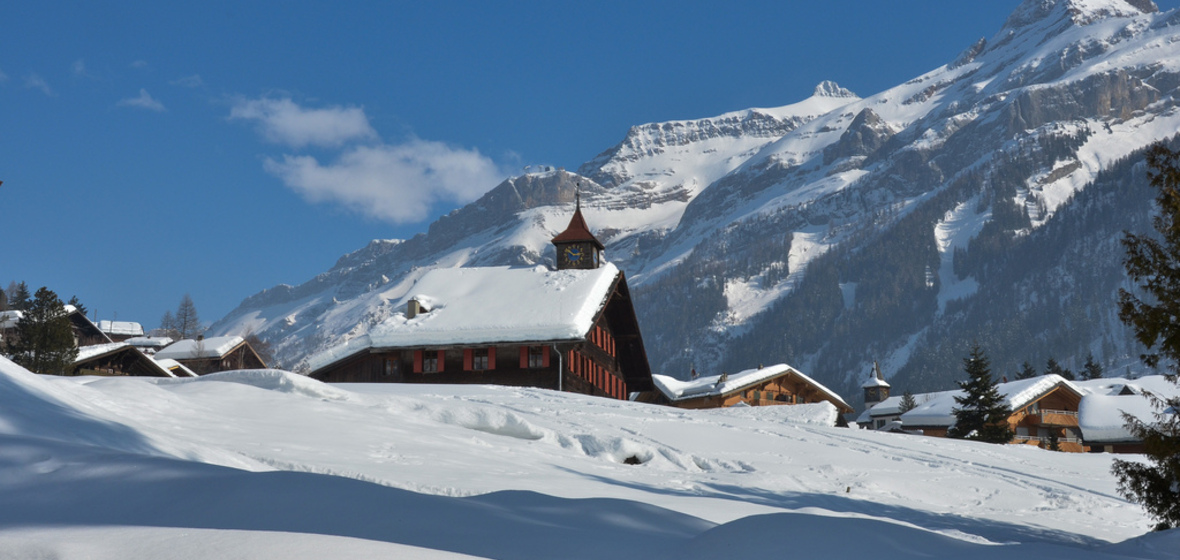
{"x": 1077, "y": 12}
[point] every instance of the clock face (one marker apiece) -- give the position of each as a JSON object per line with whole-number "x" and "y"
{"x": 574, "y": 254}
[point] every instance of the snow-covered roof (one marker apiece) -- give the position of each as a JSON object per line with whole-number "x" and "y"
{"x": 489, "y": 305}
{"x": 212, "y": 347}
{"x": 122, "y": 328}
{"x": 1100, "y": 415}
{"x": 175, "y": 368}
{"x": 88, "y": 352}
{"x": 710, "y": 386}
{"x": 150, "y": 341}
{"x": 10, "y": 318}
{"x": 875, "y": 381}
{"x": 938, "y": 409}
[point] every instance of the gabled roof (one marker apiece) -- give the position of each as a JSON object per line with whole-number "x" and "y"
{"x": 95, "y": 352}
{"x": 212, "y": 347}
{"x": 712, "y": 386}
{"x": 121, "y": 328}
{"x": 938, "y": 410}
{"x": 469, "y": 306}
{"x": 1100, "y": 415}
{"x": 577, "y": 230}
{"x": 176, "y": 368}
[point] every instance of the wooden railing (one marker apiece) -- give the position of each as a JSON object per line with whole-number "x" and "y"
{"x": 1058, "y": 417}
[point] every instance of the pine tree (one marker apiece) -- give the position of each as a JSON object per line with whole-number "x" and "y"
{"x": 1027, "y": 371}
{"x": 981, "y": 413}
{"x": 1052, "y": 367}
{"x": 187, "y": 322}
{"x": 74, "y": 301}
{"x": 3, "y": 301}
{"x": 45, "y": 338}
{"x": 1154, "y": 264}
{"x": 18, "y": 296}
{"x": 1091, "y": 369}
{"x": 908, "y": 403}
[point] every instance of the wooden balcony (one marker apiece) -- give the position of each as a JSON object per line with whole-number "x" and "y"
{"x": 1048, "y": 417}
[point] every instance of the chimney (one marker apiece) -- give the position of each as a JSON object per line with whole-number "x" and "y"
{"x": 413, "y": 308}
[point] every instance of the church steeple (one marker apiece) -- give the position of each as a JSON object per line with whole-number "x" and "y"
{"x": 576, "y": 246}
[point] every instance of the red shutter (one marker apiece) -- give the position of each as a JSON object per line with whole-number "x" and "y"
{"x": 544, "y": 357}
{"x": 442, "y": 360}
{"x": 467, "y": 359}
{"x": 492, "y": 357}
{"x": 524, "y": 357}
{"x": 417, "y": 361}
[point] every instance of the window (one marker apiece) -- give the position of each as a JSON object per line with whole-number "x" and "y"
{"x": 429, "y": 362}
{"x": 479, "y": 359}
{"x": 537, "y": 357}
{"x": 391, "y": 367}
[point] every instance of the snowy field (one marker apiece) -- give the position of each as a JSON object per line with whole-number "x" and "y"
{"x": 267, "y": 464}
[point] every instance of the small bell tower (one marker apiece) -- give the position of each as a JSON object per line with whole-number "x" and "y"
{"x": 876, "y": 388}
{"x": 577, "y": 248}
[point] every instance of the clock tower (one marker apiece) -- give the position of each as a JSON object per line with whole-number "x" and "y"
{"x": 576, "y": 246}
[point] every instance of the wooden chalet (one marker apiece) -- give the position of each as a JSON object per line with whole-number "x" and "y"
{"x": 1042, "y": 407}
{"x": 116, "y": 359}
{"x": 1100, "y": 416}
{"x": 571, "y": 329}
{"x": 86, "y": 333}
{"x": 214, "y": 354}
{"x": 778, "y": 384}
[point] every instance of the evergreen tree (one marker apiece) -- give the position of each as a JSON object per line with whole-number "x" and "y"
{"x": 981, "y": 413}
{"x": 187, "y": 322}
{"x": 3, "y": 301}
{"x": 1091, "y": 369}
{"x": 18, "y": 296}
{"x": 1027, "y": 371}
{"x": 45, "y": 337}
{"x": 74, "y": 301}
{"x": 1154, "y": 264}
{"x": 908, "y": 403}
{"x": 1052, "y": 367}
{"x": 1054, "y": 441}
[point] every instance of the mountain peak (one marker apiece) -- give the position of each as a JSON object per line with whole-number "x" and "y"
{"x": 1079, "y": 12}
{"x": 828, "y": 88}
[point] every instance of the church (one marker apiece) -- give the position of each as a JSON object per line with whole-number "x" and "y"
{"x": 572, "y": 328}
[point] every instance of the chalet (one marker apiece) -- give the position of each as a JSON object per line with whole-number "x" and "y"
{"x": 120, "y": 331}
{"x": 1042, "y": 407}
{"x": 86, "y": 333}
{"x": 209, "y": 355}
{"x": 176, "y": 368}
{"x": 116, "y": 359}
{"x": 763, "y": 386}
{"x": 1101, "y": 413}
{"x": 571, "y": 329}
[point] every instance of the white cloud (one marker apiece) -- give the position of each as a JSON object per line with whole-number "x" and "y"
{"x": 193, "y": 81}
{"x": 35, "y": 81}
{"x": 396, "y": 183}
{"x": 282, "y": 121}
{"x": 144, "y": 101}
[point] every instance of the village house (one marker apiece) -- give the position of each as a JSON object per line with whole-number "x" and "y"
{"x": 120, "y": 331}
{"x": 86, "y": 333}
{"x": 116, "y": 359}
{"x": 778, "y": 384}
{"x": 1101, "y": 413}
{"x": 214, "y": 354}
{"x": 570, "y": 329}
{"x": 1043, "y": 409}
{"x": 149, "y": 344}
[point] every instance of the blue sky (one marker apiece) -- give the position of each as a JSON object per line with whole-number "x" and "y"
{"x": 219, "y": 148}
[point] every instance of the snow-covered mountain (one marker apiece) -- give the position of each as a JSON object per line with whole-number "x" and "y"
{"x": 979, "y": 202}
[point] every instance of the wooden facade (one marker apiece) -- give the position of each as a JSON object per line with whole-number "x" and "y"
{"x": 120, "y": 360}
{"x": 1053, "y": 413}
{"x": 241, "y": 356}
{"x": 784, "y": 388}
{"x": 608, "y": 361}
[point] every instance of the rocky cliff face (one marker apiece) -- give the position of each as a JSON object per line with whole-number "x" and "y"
{"x": 982, "y": 199}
